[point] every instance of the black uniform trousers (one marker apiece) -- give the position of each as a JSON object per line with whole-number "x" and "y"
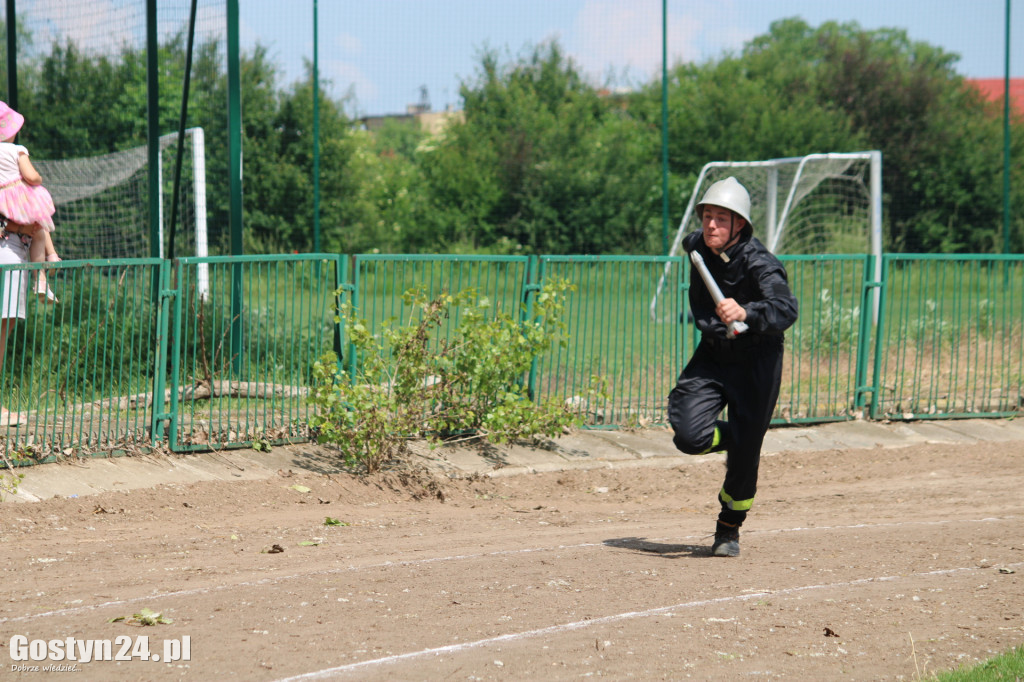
{"x": 744, "y": 376}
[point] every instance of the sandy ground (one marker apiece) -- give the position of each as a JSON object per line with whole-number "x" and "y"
{"x": 861, "y": 564}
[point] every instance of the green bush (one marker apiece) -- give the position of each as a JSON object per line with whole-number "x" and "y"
{"x": 407, "y": 382}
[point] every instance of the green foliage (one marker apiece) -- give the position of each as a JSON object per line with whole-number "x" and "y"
{"x": 833, "y": 327}
{"x": 1008, "y": 666}
{"x": 546, "y": 161}
{"x": 146, "y": 616}
{"x": 941, "y": 142}
{"x": 455, "y": 369}
{"x": 10, "y": 479}
{"x": 558, "y": 167}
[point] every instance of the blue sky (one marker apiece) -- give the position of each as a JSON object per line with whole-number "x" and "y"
{"x": 384, "y": 51}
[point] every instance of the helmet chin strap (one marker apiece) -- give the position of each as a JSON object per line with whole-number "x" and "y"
{"x": 733, "y": 236}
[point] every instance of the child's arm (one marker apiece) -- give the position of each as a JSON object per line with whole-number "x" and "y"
{"x": 28, "y": 171}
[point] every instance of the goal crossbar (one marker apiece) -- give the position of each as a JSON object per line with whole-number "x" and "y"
{"x": 801, "y": 185}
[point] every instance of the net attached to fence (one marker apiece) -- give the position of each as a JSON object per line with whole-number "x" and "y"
{"x": 103, "y": 201}
{"x": 814, "y": 204}
{"x": 820, "y": 203}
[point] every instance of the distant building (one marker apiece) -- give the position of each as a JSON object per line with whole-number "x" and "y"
{"x": 435, "y": 122}
{"x": 432, "y": 122}
{"x": 992, "y": 89}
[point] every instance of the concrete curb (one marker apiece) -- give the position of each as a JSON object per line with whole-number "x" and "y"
{"x": 582, "y": 450}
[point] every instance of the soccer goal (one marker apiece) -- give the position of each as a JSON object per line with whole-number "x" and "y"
{"x": 814, "y": 204}
{"x": 103, "y": 202}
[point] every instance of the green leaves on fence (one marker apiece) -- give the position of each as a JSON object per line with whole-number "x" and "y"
{"x": 455, "y": 369}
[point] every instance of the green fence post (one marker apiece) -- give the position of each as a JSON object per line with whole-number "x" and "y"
{"x": 235, "y": 179}
{"x": 12, "y": 55}
{"x": 867, "y": 315}
{"x": 533, "y": 275}
{"x": 345, "y": 289}
{"x": 174, "y": 411}
{"x": 879, "y": 337}
{"x": 162, "y": 277}
{"x": 316, "y": 130}
{"x": 354, "y": 298}
{"x": 153, "y": 139}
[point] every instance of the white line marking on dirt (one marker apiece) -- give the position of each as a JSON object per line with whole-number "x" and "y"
{"x": 456, "y": 557}
{"x": 581, "y": 624}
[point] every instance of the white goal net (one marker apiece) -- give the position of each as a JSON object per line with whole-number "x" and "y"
{"x": 814, "y": 204}
{"x": 103, "y": 201}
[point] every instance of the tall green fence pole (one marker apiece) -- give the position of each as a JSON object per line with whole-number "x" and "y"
{"x": 235, "y": 180}
{"x": 316, "y": 133}
{"x": 153, "y": 129}
{"x": 664, "y": 126}
{"x": 12, "y": 54}
{"x": 1006, "y": 138}
{"x": 183, "y": 117}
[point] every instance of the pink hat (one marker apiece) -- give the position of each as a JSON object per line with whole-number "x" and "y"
{"x": 10, "y": 121}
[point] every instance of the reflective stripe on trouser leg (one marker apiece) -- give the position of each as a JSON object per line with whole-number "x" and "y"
{"x": 735, "y": 505}
{"x": 716, "y": 440}
{"x": 754, "y": 390}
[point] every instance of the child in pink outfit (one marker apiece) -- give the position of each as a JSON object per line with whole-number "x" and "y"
{"x": 23, "y": 199}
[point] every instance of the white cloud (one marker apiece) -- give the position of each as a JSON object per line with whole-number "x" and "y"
{"x": 99, "y": 26}
{"x": 347, "y": 78}
{"x": 211, "y": 23}
{"x": 349, "y": 44}
{"x": 629, "y": 35}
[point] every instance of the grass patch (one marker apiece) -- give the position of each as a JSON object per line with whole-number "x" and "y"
{"x": 1008, "y": 666}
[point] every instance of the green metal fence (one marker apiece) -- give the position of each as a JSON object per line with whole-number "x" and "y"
{"x": 949, "y": 337}
{"x": 824, "y": 360}
{"x": 81, "y": 372}
{"x": 208, "y": 353}
{"x": 242, "y": 349}
{"x": 379, "y": 282}
{"x": 613, "y": 336}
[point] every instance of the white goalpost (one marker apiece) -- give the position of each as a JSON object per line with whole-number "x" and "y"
{"x": 103, "y": 203}
{"x": 198, "y": 203}
{"x": 814, "y": 204}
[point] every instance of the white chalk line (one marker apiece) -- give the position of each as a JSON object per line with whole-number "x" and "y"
{"x": 581, "y": 624}
{"x": 456, "y": 557}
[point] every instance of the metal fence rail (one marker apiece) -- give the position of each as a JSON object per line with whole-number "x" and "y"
{"x": 81, "y": 372}
{"x": 949, "y": 338}
{"x": 242, "y": 356}
{"x": 138, "y": 355}
{"x": 612, "y": 336}
{"x": 822, "y": 366}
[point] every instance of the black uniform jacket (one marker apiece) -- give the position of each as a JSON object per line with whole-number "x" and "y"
{"x": 753, "y": 276}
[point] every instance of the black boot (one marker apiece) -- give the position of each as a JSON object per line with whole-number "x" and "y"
{"x": 727, "y": 540}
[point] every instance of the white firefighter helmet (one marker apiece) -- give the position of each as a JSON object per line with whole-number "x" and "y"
{"x": 730, "y": 194}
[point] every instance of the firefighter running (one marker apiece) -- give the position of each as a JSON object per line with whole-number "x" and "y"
{"x": 739, "y": 372}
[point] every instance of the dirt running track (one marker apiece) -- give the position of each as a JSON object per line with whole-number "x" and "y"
{"x": 867, "y": 564}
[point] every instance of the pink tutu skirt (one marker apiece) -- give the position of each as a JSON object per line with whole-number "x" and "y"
{"x": 27, "y": 204}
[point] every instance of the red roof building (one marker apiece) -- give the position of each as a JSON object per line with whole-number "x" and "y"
{"x": 992, "y": 89}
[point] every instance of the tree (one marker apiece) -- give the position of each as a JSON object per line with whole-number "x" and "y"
{"x": 544, "y": 163}
{"x": 940, "y": 142}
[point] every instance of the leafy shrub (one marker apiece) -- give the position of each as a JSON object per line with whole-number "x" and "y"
{"x": 407, "y": 382}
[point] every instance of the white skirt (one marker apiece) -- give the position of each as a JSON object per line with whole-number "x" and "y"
{"x": 15, "y": 282}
